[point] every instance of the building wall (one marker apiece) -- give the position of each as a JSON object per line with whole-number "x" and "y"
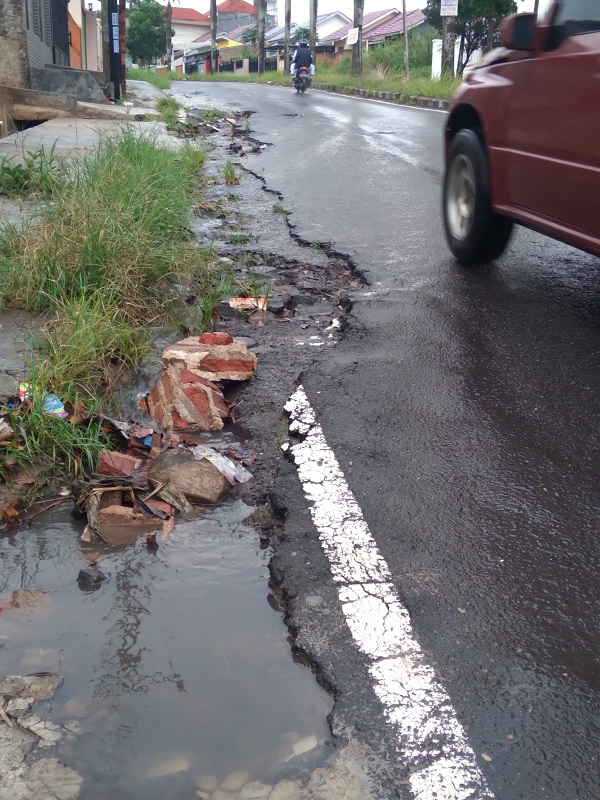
{"x": 186, "y": 33}
{"x": 75, "y": 48}
{"x": 93, "y": 44}
{"x": 39, "y": 32}
{"x": 14, "y": 64}
{"x": 228, "y": 21}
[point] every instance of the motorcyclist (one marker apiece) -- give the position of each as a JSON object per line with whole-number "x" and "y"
{"x": 302, "y": 58}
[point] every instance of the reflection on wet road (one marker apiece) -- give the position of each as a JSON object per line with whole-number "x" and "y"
{"x": 175, "y": 669}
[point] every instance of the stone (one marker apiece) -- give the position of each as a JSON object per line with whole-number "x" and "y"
{"x": 305, "y": 745}
{"x": 286, "y": 790}
{"x": 74, "y": 708}
{"x": 200, "y": 481}
{"x": 217, "y": 337}
{"x": 13, "y": 685}
{"x": 26, "y": 599}
{"x": 46, "y": 779}
{"x": 38, "y": 686}
{"x": 255, "y": 790}
{"x": 231, "y": 362}
{"x": 90, "y": 576}
{"x": 8, "y": 501}
{"x": 170, "y": 766}
{"x": 15, "y": 744}
{"x": 183, "y": 400}
{"x": 117, "y": 464}
{"x": 220, "y": 794}
{"x": 48, "y": 732}
{"x": 19, "y": 706}
{"x": 207, "y": 783}
{"x": 122, "y": 525}
{"x": 234, "y": 781}
{"x": 247, "y": 340}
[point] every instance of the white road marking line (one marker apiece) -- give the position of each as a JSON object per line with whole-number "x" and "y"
{"x": 429, "y": 739}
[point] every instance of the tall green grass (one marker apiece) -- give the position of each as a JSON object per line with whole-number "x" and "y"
{"x": 161, "y": 80}
{"x": 104, "y": 260}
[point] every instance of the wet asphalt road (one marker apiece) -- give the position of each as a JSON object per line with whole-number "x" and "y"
{"x": 463, "y": 408}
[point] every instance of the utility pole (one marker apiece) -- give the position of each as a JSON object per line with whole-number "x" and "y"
{"x": 286, "y": 35}
{"x": 359, "y": 7}
{"x": 536, "y": 7}
{"x": 214, "y": 66}
{"x": 123, "y": 45}
{"x": 490, "y": 33}
{"x": 168, "y": 29}
{"x": 260, "y": 30}
{"x": 406, "y": 69}
{"x": 312, "y": 39}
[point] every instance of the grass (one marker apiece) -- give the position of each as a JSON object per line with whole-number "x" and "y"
{"x": 279, "y": 209}
{"x": 161, "y": 80}
{"x": 169, "y": 109}
{"x": 39, "y": 177}
{"x": 102, "y": 260}
{"x": 240, "y": 238}
{"x": 229, "y": 174}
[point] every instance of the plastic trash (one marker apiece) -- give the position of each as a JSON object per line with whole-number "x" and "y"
{"x": 54, "y": 406}
{"x": 232, "y": 470}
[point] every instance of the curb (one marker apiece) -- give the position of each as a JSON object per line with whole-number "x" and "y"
{"x": 390, "y": 97}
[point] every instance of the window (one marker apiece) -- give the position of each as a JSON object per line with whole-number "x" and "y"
{"x": 574, "y": 17}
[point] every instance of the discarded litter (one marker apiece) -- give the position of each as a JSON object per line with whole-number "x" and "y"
{"x": 52, "y": 404}
{"x": 233, "y": 471}
{"x": 248, "y": 303}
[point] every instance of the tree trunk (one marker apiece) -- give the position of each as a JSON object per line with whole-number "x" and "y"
{"x": 260, "y": 31}
{"x": 447, "y": 47}
{"x": 286, "y": 45}
{"x": 359, "y": 7}
{"x": 213, "y": 37}
{"x": 490, "y": 34}
{"x": 312, "y": 39}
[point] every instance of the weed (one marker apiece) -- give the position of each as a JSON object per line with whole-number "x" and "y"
{"x": 229, "y": 173}
{"x": 315, "y": 245}
{"x": 257, "y": 286}
{"x": 40, "y": 176}
{"x": 240, "y": 238}
{"x": 169, "y": 110}
{"x": 211, "y": 115}
{"x": 162, "y": 80}
{"x": 233, "y": 198}
{"x": 279, "y": 209}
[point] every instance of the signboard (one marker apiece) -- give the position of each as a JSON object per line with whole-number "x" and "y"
{"x": 115, "y": 37}
{"x": 352, "y": 37}
{"x": 115, "y": 18}
{"x": 449, "y": 8}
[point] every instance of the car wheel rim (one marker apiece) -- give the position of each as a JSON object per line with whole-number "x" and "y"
{"x": 460, "y": 197}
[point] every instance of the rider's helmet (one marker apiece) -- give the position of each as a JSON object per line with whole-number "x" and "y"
{"x": 303, "y": 43}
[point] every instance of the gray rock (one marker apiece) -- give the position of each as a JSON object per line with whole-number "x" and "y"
{"x": 47, "y": 779}
{"x": 42, "y": 685}
{"x": 247, "y": 340}
{"x": 198, "y": 480}
{"x": 15, "y": 744}
{"x": 48, "y": 732}
{"x": 19, "y": 706}
{"x": 286, "y": 790}
{"x": 234, "y": 781}
{"x": 255, "y": 790}
{"x": 207, "y": 783}
{"x": 90, "y": 577}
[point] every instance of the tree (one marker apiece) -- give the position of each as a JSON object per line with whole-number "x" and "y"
{"x": 300, "y": 34}
{"x": 147, "y": 31}
{"x": 477, "y": 24}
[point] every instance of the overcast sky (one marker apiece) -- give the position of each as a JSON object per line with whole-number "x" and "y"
{"x": 300, "y": 10}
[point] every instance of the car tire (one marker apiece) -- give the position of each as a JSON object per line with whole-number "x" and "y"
{"x": 475, "y": 233}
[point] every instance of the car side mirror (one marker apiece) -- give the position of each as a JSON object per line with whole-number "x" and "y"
{"x": 520, "y": 32}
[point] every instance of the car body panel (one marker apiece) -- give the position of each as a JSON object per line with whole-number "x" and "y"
{"x": 539, "y": 114}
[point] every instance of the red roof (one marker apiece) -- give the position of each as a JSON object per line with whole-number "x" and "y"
{"x": 187, "y": 15}
{"x": 368, "y": 19}
{"x": 395, "y": 25}
{"x": 236, "y": 7}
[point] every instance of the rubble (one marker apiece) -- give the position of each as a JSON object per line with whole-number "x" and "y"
{"x": 90, "y": 578}
{"x": 117, "y": 464}
{"x": 217, "y": 362}
{"x": 200, "y": 481}
{"x": 47, "y": 779}
{"x": 183, "y": 400}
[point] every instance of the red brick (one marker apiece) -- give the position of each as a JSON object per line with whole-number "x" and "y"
{"x": 226, "y": 365}
{"x": 219, "y": 337}
{"x": 198, "y": 396}
{"x": 117, "y": 464}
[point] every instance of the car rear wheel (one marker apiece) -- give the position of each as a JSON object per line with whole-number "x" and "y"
{"x": 475, "y": 233}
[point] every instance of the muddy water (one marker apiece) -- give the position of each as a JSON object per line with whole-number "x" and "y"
{"x": 175, "y": 668}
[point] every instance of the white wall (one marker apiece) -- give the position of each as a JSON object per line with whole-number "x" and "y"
{"x": 184, "y": 34}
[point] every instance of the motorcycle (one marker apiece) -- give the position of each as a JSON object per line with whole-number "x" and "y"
{"x": 302, "y": 79}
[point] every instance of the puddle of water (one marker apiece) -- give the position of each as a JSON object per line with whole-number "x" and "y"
{"x": 177, "y": 667}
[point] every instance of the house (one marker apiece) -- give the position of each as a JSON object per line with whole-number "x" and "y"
{"x": 187, "y": 25}
{"x": 377, "y": 27}
{"x": 85, "y": 37}
{"x": 33, "y": 34}
{"x": 232, "y": 14}
{"x": 326, "y": 24}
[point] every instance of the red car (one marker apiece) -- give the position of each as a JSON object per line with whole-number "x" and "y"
{"x": 523, "y": 136}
